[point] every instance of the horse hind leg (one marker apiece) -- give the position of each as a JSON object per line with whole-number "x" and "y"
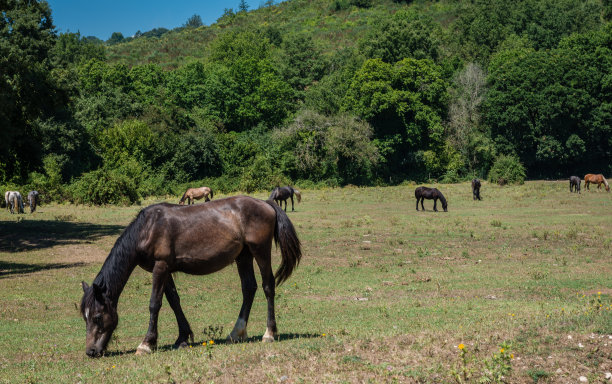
{"x": 244, "y": 262}
{"x": 263, "y": 259}
{"x": 185, "y": 333}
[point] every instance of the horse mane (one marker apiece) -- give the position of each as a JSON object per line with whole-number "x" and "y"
{"x": 605, "y": 181}
{"x": 116, "y": 265}
{"x": 184, "y": 194}
{"x": 442, "y": 198}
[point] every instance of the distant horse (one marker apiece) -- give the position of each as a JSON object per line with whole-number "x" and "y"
{"x": 33, "y": 200}
{"x": 575, "y": 184}
{"x": 476, "y": 189}
{"x": 166, "y": 238}
{"x": 422, "y": 193}
{"x": 14, "y": 201}
{"x": 280, "y": 194}
{"x": 192, "y": 194}
{"x": 596, "y": 179}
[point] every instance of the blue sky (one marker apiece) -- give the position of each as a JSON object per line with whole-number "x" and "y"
{"x": 101, "y": 18}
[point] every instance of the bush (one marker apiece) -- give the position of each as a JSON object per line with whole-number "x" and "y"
{"x": 507, "y": 170}
{"x": 104, "y": 186}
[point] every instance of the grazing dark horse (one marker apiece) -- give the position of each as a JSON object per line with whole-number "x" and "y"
{"x": 33, "y": 200}
{"x": 476, "y": 189}
{"x": 596, "y": 179}
{"x": 280, "y": 194}
{"x": 422, "y": 193}
{"x": 575, "y": 183}
{"x": 193, "y": 194}
{"x": 14, "y": 201}
{"x": 166, "y": 238}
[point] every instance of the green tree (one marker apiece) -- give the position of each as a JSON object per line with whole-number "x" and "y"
{"x": 27, "y": 92}
{"x": 194, "y": 21}
{"x": 407, "y": 33}
{"x": 405, "y": 103}
{"x": 243, "y": 6}
{"x": 115, "y": 38}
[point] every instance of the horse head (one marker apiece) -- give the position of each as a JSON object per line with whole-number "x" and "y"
{"x": 100, "y": 316}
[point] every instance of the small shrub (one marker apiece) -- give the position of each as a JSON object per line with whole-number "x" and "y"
{"x": 507, "y": 170}
{"x": 104, "y": 186}
{"x": 496, "y": 223}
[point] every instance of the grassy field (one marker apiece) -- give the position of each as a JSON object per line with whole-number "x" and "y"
{"x": 522, "y": 281}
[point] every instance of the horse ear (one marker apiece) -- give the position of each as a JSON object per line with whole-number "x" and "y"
{"x": 84, "y": 285}
{"x": 98, "y": 292}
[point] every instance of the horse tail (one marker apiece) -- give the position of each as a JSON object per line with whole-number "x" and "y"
{"x": 298, "y": 195}
{"x": 285, "y": 236}
{"x": 15, "y": 203}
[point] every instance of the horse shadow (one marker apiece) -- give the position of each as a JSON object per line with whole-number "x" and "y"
{"x": 220, "y": 341}
{"x": 27, "y": 235}
{"x": 8, "y": 268}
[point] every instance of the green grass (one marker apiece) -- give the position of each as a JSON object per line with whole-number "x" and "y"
{"x": 383, "y": 293}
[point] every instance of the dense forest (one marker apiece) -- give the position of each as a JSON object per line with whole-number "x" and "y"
{"x": 307, "y": 92}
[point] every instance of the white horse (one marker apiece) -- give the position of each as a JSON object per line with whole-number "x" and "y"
{"x": 14, "y": 200}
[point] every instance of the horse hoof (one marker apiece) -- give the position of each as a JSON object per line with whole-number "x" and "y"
{"x": 232, "y": 338}
{"x": 143, "y": 349}
{"x": 267, "y": 339}
{"x": 180, "y": 345}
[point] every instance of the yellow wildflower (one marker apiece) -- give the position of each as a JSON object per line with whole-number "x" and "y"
{"x": 461, "y": 346}
{"x": 512, "y": 355}
{"x": 501, "y": 350}
{"x": 211, "y": 342}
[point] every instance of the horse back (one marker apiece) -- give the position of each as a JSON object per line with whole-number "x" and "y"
{"x": 204, "y": 238}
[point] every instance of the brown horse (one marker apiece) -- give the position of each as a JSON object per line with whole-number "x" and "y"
{"x": 596, "y": 179}
{"x": 193, "y": 194}
{"x": 166, "y": 238}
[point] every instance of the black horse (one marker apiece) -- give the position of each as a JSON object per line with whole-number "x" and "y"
{"x": 422, "y": 193}
{"x": 575, "y": 183}
{"x": 280, "y": 194}
{"x": 33, "y": 200}
{"x": 196, "y": 239}
{"x": 476, "y": 189}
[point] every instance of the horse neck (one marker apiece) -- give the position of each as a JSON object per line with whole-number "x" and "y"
{"x": 116, "y": 270}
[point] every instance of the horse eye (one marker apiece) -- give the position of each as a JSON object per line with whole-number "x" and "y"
{"x": 98, "y": 320}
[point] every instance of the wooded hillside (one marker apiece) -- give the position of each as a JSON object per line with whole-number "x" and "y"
{"x": 307, "y": 92}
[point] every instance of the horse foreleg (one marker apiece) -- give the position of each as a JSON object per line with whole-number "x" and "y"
{"x": 160, "y": 277}
{"x": 435, "y": 205}
{"x": 422, "y": 200}
{"x": 249, "y": 287}
{"x": 417, "y": 205}
{"x": 172, "y": 296}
